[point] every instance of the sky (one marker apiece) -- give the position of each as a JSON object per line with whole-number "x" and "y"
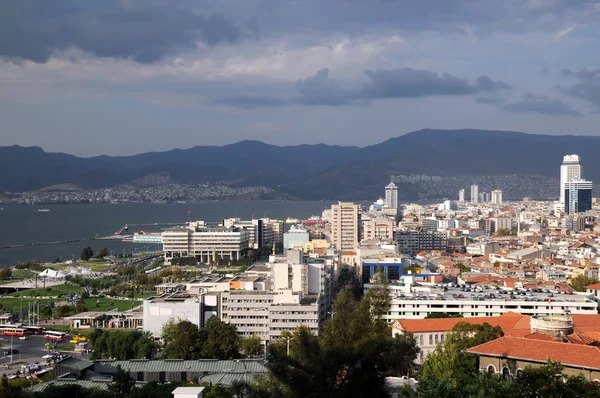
{"x": 120, "y": 77}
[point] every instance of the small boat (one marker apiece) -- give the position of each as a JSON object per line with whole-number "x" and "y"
{"x": 44, "y": 210}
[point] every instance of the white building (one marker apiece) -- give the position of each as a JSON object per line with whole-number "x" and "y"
{"x": 295, "y": 238}
{"x": 192, "y": 307}
{"x": 391, "y": 195}
{"x": 570, "y": 170}
{"x": 205, "y": 243}
{"x": 461, "y": 196}
{"x": 497, "y": 197}
{"x": 263, "y": 231}
{"x": 474, "y": 193}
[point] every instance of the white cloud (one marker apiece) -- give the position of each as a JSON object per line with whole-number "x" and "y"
{"x": 564, "y": 32}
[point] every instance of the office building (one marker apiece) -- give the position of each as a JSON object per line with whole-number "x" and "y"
{"x": 378, "y": 229}
{"x": 497, "y": 197}
{"x": 578, "y": 196}
{"x": 570, "y": 169}
{"x": 391, "y": 195}
{"x": 474, "y": 193}
{"x": 345, "y": 225}
{"x": 461, "y": 196}
{"x": 412, "y": 242}
{"x": 207, "y": 244}
{"x": 263, "y": 231}
{"x": 389, "y": 265}
{"x": 296, "y": 238}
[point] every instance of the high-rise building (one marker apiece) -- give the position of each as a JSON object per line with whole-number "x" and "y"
{"x": 578, "y": 196}
{"x": 345, "y": 225}
{"x": 497, "y": 197}
{"x": 474, "y": 193}
{"x": 391, "y": 195}
{"x": 570, "y": 169}
{"x": 461, "y": 196}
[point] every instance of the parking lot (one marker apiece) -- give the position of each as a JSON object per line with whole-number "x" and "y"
{"x": 29, "y": 351}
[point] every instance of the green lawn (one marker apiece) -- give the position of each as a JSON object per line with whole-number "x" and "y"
{"x": 52, "y": 291}
{"x": 15, "y": 304}
{"x": 107, "y": 303}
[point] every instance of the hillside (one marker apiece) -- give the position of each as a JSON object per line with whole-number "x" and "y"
{"x": 457, "y": 157}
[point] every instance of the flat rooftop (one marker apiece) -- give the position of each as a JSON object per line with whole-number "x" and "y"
{"x": 485, "y": 294}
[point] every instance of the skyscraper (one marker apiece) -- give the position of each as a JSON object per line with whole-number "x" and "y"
{"x": 497, "y": 197}
{"x": 345, "y": 225}
{"x": 391, "y": 195}
{"x": 474, "y": 193}
{"x": 578, "y": 196}
{"x": 570, "y": 169}
{"x": 461, "y": 196}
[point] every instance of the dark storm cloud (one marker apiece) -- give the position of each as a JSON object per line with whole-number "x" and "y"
{"x": 36, "y": 29}
{"x": 415, "y": 83}
{"x": 541, "y": 105}
{"x": 320, "y": 89}
{"x": 587, "y": 88}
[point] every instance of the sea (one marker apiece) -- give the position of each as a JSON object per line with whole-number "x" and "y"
{"x": 26, "y": 224}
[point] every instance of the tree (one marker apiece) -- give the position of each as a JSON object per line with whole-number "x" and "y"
{"x": 87, "y": 253}
{"x": 251, "y": 345}
{"x": 123, "y": 344}
{"x": 5, "y": 272}
{"x": 103, "y": 252}
{"x": 183, "y": 340}
{"x": 122, "y": 383}
{"x": 450, "y": 362}
{"x": 579, "y": 282}
{"x": 352, "y": 358}
{"x": 462, "y": 267}
{"x": 222, "y": 340}
{"x": 549, "y": 381}
{"x": 56, "y": 260}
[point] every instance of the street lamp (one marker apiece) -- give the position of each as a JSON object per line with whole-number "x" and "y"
{"x": 288, "y": 343}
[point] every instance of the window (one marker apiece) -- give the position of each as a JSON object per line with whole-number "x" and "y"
{"x": 436, "y": 339}
{"x": 505, "y": 373}
{"x": 491, "y": 369}
{"x": 430, "y": 339}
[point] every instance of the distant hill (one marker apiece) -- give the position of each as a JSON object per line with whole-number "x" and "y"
{"x": 321, "y": 171}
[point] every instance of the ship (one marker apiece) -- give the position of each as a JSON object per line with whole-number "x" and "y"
{"x": 44, "y": 210}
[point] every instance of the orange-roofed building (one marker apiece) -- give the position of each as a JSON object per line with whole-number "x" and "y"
{"x": 509, "y": 355}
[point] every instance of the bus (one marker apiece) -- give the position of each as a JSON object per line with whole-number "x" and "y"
{"x": 13, "y": 332}
{"x": 54, "y": 335}
{"x": 33, "y": 329}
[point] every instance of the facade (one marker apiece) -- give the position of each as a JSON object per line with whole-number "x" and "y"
{"x": 345, "y": 225}
{"x": 205, "y": 243}
{"x": 497, "y": 197}
{"x": 474, "y": 193}
{"x": 412, "y": 242}
{"x": 148, "y": 238}
{"x": 570, "y": 169}
{"x": 492, "y": 225}
{"x": 267, "y": 314}
{"x": 378, "y": 229}
{"x": 578, "y": 196}
{"x": 461, "y": 196}
{"x": 391, "y": 195}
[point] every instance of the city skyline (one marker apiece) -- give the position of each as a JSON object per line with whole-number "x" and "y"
{"x": 213, "y": 73}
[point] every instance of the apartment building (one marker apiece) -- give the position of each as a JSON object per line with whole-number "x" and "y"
{"x": 263, "y": 231}
{"x": 345, "y": 225}
{"x": 412, "y": 242}
{"x": 378, "y": 229}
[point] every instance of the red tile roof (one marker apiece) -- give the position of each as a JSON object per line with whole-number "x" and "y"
{"x": 583, "y": 356}
{"x": 595, "y": 286}
{"x": 539, "y": 336}
{"x": 507, "y": 323}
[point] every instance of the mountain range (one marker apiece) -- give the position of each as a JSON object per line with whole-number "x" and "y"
{"x": 449, "y": 158}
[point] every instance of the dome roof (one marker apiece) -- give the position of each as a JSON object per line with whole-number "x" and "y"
{"x": 535, "y": 226}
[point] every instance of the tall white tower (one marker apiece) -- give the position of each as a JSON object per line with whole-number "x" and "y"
{"x": 497, "y": 197}
{"x": 570, "y": 170}
{"x": 391, "y": 195}
{"x": 461, "y": 195}
{"x": 474, "y": 193}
